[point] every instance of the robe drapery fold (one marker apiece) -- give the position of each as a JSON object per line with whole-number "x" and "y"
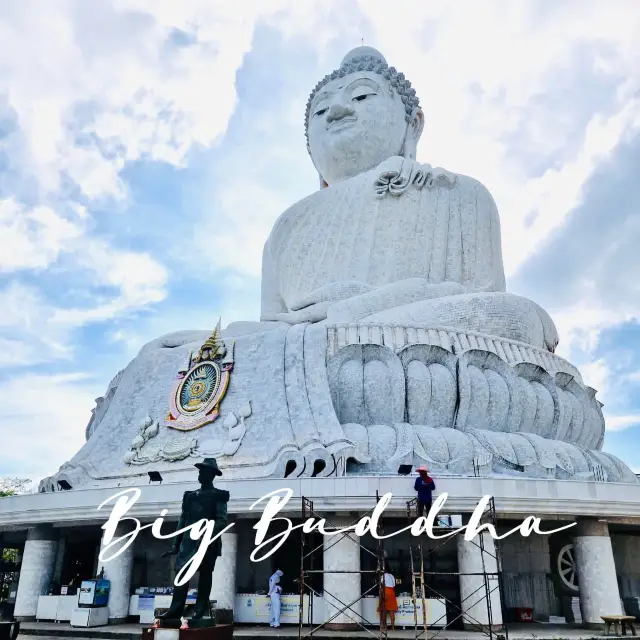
{"x": 445, "y": 229}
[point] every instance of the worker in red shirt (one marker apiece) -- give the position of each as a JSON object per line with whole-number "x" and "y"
{"x": 424, "y": 486}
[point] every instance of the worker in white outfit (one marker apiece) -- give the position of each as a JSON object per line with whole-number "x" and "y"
{"x": 275, "y": 590}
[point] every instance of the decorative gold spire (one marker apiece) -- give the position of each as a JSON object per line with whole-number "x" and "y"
{"x": 214, "y": 344}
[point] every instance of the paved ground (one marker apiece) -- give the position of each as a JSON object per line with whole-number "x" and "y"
{"x": 516, "y": 632}
{"x": 51, "y": 631}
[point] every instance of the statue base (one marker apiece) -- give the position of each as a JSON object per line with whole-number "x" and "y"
{"x": 176, "y": 623}
{"x": 219, "y": 632}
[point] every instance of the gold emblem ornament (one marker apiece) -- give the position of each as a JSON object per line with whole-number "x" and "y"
{"x": 199, "y": 389}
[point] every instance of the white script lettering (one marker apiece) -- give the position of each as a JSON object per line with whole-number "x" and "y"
{"x": 276, "y": 501}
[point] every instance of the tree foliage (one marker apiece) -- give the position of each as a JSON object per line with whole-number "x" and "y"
{"x": 13, "y": 486}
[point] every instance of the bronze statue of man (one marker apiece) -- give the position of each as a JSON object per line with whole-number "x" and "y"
{"x": 204, "y": 503}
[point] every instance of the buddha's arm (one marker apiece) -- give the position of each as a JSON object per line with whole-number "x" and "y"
{"x": 272, "y": 303}
{"x": 483, "y": 269}
{"x": 356, "y": 307}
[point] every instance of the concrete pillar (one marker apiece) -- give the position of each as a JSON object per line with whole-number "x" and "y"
{"x": 342, "y": 553}
{"x": 473, "y": 592}
{"x": 36, "y": 571}
{"x": 118, "y": 572}
{"x": 223, "y": 589}
{"x": 57, "y": 571}
{"x": 599, "y": 594}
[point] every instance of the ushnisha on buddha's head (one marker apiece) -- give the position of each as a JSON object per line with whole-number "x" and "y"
{"x": 360, "y": 115}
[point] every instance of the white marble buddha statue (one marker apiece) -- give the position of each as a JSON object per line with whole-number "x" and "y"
{"x": 386, "y": 335}
{"x": 387, "y": 239}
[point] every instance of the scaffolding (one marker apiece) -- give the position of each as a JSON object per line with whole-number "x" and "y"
{"x": 307, "y": 570}
{"x": 422, "y": 579}
{"x": 490, "y": 583}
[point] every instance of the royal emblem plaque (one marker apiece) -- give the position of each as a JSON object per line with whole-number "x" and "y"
{"x": 199, "y": 389}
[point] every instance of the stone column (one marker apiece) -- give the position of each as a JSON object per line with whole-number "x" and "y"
{"x": 118, "y": 572}
{"x": 473, "y": 592}
{"x": 36, "y": 571}
{"x": 342, "y": 553}
{"x": 599, "y": 594}
{"x": 223, "y": 589}
{"x": 57, "y": 571}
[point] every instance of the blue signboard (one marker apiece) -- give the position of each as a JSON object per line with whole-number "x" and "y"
{"x": 146, "y": 602}
{"x": 94, "y": 593}
{"x": 101, "y": 598}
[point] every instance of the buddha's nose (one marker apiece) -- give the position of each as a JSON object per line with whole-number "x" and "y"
{"x": 337, "y": 111}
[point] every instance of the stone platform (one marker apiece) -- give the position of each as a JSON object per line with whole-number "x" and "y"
{"x": 49, "y": 630}
{"x": 220, "y": 632}
{"x": 46, "y": 631}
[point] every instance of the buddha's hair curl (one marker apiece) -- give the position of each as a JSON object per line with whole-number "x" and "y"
{"x": 396, "y": 80}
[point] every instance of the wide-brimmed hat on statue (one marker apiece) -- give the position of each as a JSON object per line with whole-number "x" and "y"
{"x": 209, "y": 463}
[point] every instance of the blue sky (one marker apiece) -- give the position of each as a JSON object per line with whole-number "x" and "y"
{"x": 147, "y": 146}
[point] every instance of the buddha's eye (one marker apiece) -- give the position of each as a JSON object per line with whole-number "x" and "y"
{"x": 319, "y": 112}
{"x": 362, "y": 97}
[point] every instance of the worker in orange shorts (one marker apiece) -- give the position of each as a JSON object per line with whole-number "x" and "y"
{"x": 390, "y": 601}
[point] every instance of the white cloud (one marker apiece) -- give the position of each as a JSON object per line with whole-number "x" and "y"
{"x": 32, "y": 238}
{"x": 95, "y": 87}
{"x": 138, "y": 279}
{"x": 482, "y": 66}
{"x": 34, "y": 329}
{"x": 92, "y": 87}
{"x": 556, "y": 193}
{"x": 596, "y": 375}
{"x": 618, "y": 423}
{"x": 581, "y": 324}
{"x": 43, "y": 420}
{"x": 27, "y": 337}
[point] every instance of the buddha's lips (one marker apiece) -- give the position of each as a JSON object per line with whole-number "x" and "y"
{"x": 338, "y": 124}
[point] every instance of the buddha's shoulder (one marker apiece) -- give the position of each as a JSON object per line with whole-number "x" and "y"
{"x": 372, "y": 184}
{"x": 433, "y": 176}
{"x": 398, "y": 175}
{"x": 463, "y": 181}
{"x": 337, "y": 195}
{"x": 467, "y": 183}
{"x": 435, "y": 180}
{"x": 316, "y": 205}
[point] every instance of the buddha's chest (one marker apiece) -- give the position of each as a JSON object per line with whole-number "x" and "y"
{"x": 348, "y": 233}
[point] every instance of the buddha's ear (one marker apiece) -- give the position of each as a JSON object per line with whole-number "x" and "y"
{"x": 414, "y": 131}
{"x": 323, "y": 183}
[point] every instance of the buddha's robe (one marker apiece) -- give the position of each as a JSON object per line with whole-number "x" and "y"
{"x": 400, "y": 243}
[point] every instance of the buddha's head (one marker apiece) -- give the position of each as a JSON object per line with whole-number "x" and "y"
{"x": 360, "y": 115}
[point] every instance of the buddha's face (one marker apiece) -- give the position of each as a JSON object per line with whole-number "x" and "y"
{"x": 355, "y": 123}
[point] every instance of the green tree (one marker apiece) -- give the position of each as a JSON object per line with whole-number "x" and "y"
{"x": 9, "y": 555}
{"x": 13, "y": 486}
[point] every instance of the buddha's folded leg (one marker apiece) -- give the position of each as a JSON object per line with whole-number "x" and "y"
{"x": 499, "y": 314}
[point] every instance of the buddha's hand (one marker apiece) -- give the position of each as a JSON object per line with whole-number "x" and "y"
{"x": 313, "y": 313}
{"x": 332, "y": 292}
{"x": 390, "y": 296}
{"x": 313, "y": 307}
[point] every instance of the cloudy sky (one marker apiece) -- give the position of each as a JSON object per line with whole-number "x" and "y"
{"x": 147, "y": 146}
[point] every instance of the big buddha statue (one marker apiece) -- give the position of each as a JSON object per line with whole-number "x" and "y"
{"x": 386, "y": 335}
